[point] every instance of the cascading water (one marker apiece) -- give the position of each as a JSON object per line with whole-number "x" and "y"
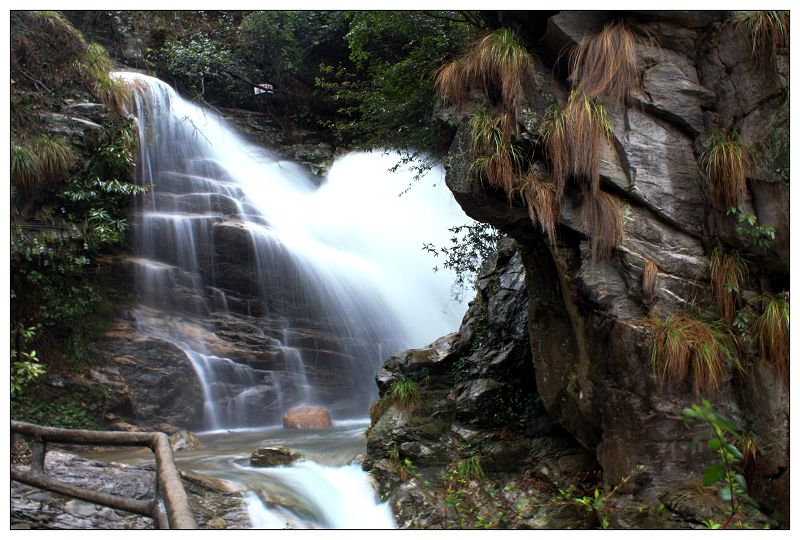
{"x": 339, "y": 263}
{"x": 329, "y": 279}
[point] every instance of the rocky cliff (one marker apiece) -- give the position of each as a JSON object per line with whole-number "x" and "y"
{"x": 590, "y": 347}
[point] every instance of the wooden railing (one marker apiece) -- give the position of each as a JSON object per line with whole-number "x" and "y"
{"x": 169, "y": 488}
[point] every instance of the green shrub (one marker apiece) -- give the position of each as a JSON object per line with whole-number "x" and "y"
{"x": 405, "y": 393}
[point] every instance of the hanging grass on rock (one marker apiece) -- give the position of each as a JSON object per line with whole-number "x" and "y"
{"x": 586, "y": 124}
{"x": 498, "y": 65}
{"x": 495, "y": 157}
{"x": 554, "y": 135}
{"x": 772, "y": 333}
{"x": 649, "y": 279}
{"x": 728, "y": 272}
{"x": 686, "y": 348}
{"x": 603, "y": 66}
{"x": 725, "y": 164}
{"x": 542, "y": 201}
{"x": 602, "y": 215}
{"x": 768, "y": 31}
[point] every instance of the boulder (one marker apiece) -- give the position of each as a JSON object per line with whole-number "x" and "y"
{"x": 307, "y": 417}
{"x": 272, "y": 456}
{"x": 183, "y": 440}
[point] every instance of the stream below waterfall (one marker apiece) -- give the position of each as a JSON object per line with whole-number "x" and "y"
{"x": 282, "y": 290}
{"x": 325, "y": 489}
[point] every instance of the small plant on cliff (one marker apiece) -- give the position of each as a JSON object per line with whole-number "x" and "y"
{"x": 405, "y": 393}
{"x": 498, "y": 65}
{"x": 26, "y": 169}
{"x": 760, "y": 236}
{"x": 496, "y": 158}
{"x": 25, "y": 366}
{"x": 586, "y": 124}
{"x": 723, "y": 434}
{"x": 604, "y": 66}
{"x": 602, "y": 215}
{"x": 728, "y": 272}
{"x": 767, "y": 30}
{"x": 685, "y": 347}
{"x": 725, "y": 164}
{"x": 772, "y": 333}
{"x": 541, "y": 199}
{"x": 649, "y": 278}
{"x": 56, "y": 158}
{"x": 554, "y": 135}
{"x": 596, "y": 501}
{"x": 113, "y": 93}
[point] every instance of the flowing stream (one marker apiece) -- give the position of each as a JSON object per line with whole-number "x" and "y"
{"x": 329, "y": 276}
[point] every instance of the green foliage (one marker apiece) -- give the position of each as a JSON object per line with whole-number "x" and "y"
{"x": 760, "y": 236}
{"x": 596, "y": 502}
{"x": 384, "y": 89}
{"x": 771, "y": 157}
{"x": 26, "y": 168}
{"x": 194, "y": 58}
{"x": 268, "y": 39}
{"x": 56, "y": 158}
{"x": 469, "y": 246}
{"x": 70, "y": 414}
{"x": 465, "y": 485}
{"x": 405, "y": 393}
{"x": 495, "y": 157}
{"x": 25, "y": 367}
{"x": 471, "y": 469}
{"x": 727, "y": 473}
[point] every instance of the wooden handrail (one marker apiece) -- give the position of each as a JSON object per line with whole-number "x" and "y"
{"x": 169, "y": 487}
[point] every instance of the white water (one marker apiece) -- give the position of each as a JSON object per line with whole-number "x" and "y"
{"x": 342, "y": 260}
{"x": 344, "y": 257}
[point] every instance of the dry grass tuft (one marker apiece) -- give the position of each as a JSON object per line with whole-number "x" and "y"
{"x": 768, "y": 31}
{"x": 26, "y": 169}
{"x": 604, "y": 66}
{"x": 649, "y": 278}
{"x": 728, "y": 272}
{"x": 602, "y": 215}
{"x": 56, "y": 158}
{"x": 113, "y": 93}
{"x": 541, "y": 199}
{"x": 498, "y": 65}
{"x": 586, "y": 123}
{"x": 494, "y": 156}
{"x": 772, "y": 334}
{"x": 556, "y": 143}
{"x": 725, "y": 164}
{"x": 685, "y": 348}
{"x": 500, "y": 62}
{"x": 451, "y": 84}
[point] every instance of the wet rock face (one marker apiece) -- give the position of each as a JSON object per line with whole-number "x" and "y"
{"x": 478, "y": 399}
{"x": 590, "y": 351}
{"x": 154, "y": 379}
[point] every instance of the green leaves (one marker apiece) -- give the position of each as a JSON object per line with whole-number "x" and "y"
{"x": 713, "y": 473}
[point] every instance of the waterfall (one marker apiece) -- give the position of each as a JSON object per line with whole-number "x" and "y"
{"x": 330, "y": 276}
